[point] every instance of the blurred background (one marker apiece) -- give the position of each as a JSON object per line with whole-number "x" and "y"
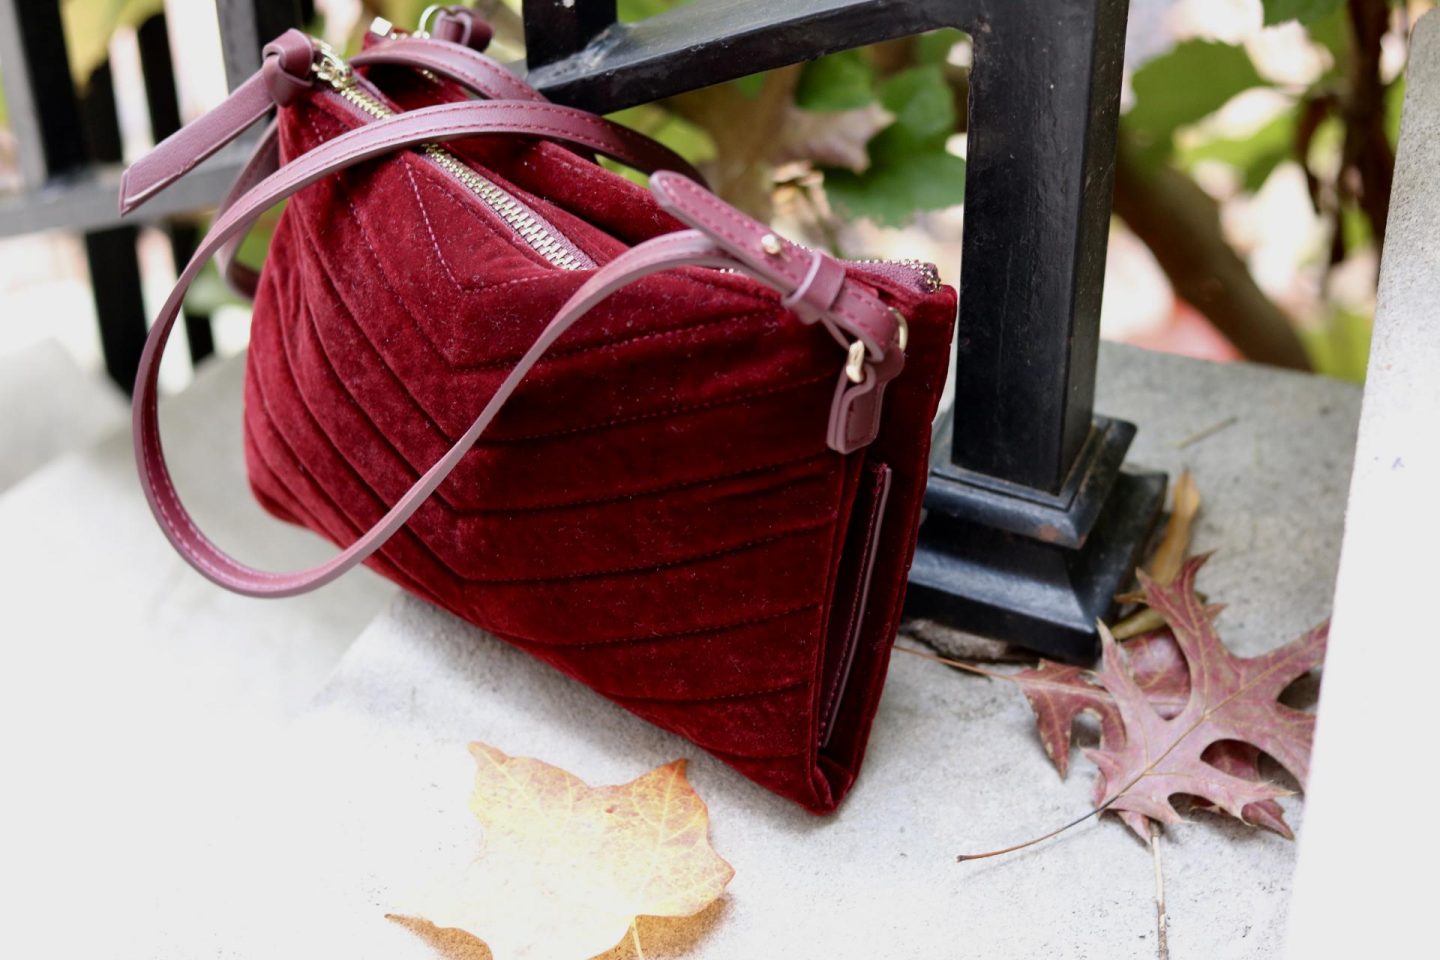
{"x": 1252, "y": 184}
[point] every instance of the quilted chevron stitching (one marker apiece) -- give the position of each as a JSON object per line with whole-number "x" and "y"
{"x": 400, "y": 455}
{"x": 430, "y": 228}
{"x": 677, "y": 635}
{"x": 490, "y": 441}
{"x": 744, "y": 695}
{"x": 597, "y": 427}
{"x": 695, "y": 483}
{"x": 743, "y": 547}
{"x": 429, "y": 551}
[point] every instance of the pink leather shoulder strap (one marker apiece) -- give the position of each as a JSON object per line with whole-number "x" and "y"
{"x": 742, "y": 249}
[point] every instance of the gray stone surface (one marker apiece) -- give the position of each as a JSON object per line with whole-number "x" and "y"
{"x": 50, "y": 407}
{"x": 132, "y": 691}
{"x": 376, "y": 776}
{"x": 1378, "y": 719}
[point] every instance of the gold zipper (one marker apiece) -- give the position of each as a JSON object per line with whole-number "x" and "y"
{"x": 332, "y": 69}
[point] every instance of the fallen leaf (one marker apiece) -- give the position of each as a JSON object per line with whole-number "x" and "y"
{"x": 1230, "y": 699}
{"x": 1169, "y": 556}
{"x": 566, "y": 868}
{"x": 1059, "y": 694}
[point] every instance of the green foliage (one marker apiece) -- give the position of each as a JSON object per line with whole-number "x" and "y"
{"x": 1255, "y": 156}
{"x": 1306, "y": 11}
{"x": 88, "y": 25}
{"x": 910, "y": 169}
{"x": 841, "y": 81}
{"x": 1183, "y": 87}
{"x": 935, "y": 46}
{"x": 1342, "y": 346}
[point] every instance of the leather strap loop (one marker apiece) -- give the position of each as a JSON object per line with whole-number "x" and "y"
{"x": 463, "y": 26}
{"x": 286, "y": 67}
{"x": 814, "y": 296}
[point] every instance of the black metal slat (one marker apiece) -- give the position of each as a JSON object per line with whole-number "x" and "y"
{"x": 164, "y": 108}
{"x": 111, "y": 254}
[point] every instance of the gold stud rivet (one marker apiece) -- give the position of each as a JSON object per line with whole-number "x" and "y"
{"x": 771, "y": 244}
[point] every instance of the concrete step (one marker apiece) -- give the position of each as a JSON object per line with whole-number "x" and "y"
{"x": 51, "y": 406}
{"x": 133, "y": 693}
{"x": 373, "y": 782}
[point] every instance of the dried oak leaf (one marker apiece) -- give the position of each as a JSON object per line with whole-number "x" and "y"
{"x": 1231, "y": 699}
{"x": 567, "y": 867}
{"x": 1058, "y": 694}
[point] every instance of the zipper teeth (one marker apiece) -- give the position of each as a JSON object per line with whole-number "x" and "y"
{"x": 541, "y": 240}
{"x": 928, "y": 272}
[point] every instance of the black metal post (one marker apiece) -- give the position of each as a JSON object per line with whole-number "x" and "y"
{"x": 1032, "y": 527}
{"x": 164, "y": 107}
{"x": 555, "y": 29}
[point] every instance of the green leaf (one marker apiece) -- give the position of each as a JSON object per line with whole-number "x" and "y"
{"x": 1306, "y": 11}
{"x": 1341, "y": 346}
{"x": 750, "y": 86}
{"x": 841, "y": 81}
{"x": 891, "y": 193}
{"x": 935, "y": 46}
{"x": 924, "y": 111}
{"x": 910, "y": 169}
{"x": 1256, "y": 156}
{"x": 1394, "y": 109}
{"x": 1186, "y": 85}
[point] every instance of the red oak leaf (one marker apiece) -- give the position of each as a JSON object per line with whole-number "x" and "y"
{"x": 1230, "y": 699}
{"x": 1059, "y": 694}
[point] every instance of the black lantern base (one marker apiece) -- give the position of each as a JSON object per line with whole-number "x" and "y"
{"x": 1029, "y": 568}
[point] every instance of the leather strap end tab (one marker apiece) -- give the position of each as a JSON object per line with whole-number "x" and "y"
{"x": 285, "y": 71}
{"x": 463, "y": 26}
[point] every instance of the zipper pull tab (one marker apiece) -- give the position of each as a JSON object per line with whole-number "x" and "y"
{"x": 329, "y": 67}
{"x": 284, "y": 74}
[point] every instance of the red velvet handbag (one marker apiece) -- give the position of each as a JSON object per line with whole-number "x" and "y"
{"x": 632, "y": 432}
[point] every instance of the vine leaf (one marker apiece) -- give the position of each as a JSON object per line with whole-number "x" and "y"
{"x": 566, "y": 867}
{"x": 1161, "y": 672}
{"x": 1230, "y": 699}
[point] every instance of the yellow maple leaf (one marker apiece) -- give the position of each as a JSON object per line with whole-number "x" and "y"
{"x": 567, "y": 868}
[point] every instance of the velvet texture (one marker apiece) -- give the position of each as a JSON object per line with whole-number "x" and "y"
{"x": 655, "y": 513}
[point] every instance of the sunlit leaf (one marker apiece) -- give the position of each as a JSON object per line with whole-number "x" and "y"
{"x": 566, "y": 868}
{"x": 89, "y": 24}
